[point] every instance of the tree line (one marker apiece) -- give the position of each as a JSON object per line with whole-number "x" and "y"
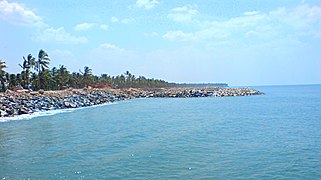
{"x": 36, "y": 74}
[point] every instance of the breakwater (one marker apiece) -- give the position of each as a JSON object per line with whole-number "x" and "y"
{"x": 25, "y": 102}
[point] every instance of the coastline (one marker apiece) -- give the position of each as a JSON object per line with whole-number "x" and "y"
{"x": 23, "y": 102}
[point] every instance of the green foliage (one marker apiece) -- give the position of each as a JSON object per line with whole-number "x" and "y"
{"x": 3, "y": 75}
{"x": 27, "y": 64}
{"x": 42, "y": 65}
{"x": 36, "y": 75}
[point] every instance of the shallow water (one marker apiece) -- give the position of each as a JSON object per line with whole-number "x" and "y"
{"x": 276, "y": 135}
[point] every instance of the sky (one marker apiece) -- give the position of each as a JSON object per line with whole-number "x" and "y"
{"x": 239, "y": 42}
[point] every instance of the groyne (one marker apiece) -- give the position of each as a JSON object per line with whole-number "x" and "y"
{"x": 20, "y": 102}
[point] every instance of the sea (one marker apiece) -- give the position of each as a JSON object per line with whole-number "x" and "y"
{"x": 271, "y": 136}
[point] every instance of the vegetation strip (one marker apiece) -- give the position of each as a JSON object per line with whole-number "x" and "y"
{"x": 36, "y": 75}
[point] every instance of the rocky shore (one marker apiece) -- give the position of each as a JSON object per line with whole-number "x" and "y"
{"x": 25, "y": 102}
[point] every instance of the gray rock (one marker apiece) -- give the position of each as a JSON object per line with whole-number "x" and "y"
{"x": 41, "y": 91}
{"x": 73, "y": 105}
{"x": 3, "y": 113}
{"x": 67, "y": 104}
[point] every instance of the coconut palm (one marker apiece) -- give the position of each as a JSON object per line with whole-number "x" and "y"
{"x": 13, "y": 81}
{"x": 75, "y": 80}
{"x": 86, "y": 76}
{"x": 34, "y": 80}
{"x": 46, "y": 79}
{"x": 42, "y": 64}
{"x": 26, "y": 66}
{"x": 19, "y": 80}
{"x": 87, "y": 71}
{"x": 3, "y": 75}
{"x": 63, "y": 76}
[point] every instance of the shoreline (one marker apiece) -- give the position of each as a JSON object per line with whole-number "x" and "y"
{"x": 48, "y": 113}
{"x": 24, "y": 102}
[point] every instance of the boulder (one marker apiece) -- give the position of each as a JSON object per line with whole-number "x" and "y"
{"x": 8, "y": 91}
{"x": 23, "y": 111}
{"x": 73, "y": 105}
{"x": 34, "y": 93}
{"x": 10, "y": 111}
{"x": 41, "y": 91}
{"x": 67, "y": 104}
{"x": 3, "y": 113}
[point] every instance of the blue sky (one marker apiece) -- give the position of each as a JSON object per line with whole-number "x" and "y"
{"x": 247, "y": 42}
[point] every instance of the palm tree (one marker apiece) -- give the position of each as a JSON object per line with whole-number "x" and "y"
{"x": 63, "y": 74}
{"x": 19, "y": 80}
{"x": 75, "y": 80}
{"x": 13, "y": 82}
{"x": 46, "y": 79}
{"x": 122, "y": 81}
{"x": 105, "y": 79}
{"x": 87, "y": 71}
{"x": 3, "y": 75}
{"x": 55, "y": 78}
{"x": 42, "y": 64}
{"x": 34, "y": 80}
{"x": 26, "y": 66}
{"x": 128, "y": 77}
{"x": 87, "y": 75}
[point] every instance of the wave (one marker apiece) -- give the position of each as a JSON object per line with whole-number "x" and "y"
{"x": 47, "y": 113}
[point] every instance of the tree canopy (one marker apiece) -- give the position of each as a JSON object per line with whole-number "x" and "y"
{"x": 37, "y": 74}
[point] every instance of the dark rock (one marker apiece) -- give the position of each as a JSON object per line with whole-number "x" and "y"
{"x": 10, "y": 111}
{"x": 23, "y": 111}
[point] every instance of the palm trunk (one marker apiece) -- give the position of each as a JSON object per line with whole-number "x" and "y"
{"x": 3, "y": 85}
{"x": 39, "y": 81}
{"x": 27, "y": 79}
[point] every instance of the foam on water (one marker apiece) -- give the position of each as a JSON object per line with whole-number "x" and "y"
{"x": 47, "y": 113}
{"x": 36, "y": 114}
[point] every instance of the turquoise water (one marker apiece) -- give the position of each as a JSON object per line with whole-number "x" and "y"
{"x": 274, "y": 136}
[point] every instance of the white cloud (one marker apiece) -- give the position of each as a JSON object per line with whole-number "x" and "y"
{"x": 88, "y": 26}
{"x": 18, "y": 14}
{"x": 104, "y": 27}
{"x": 302, "y": 16}
{"x": 151, "y": 34}
{"x": 127, "y": 20}
{"x": 123, "y": 21}
{"x": 251, "y": 13}
{"x": 206, "y": 34}
{"x": 303, "y": 20}
{"x": 252, "y": 34}
{"x": 84, "y": 26}
{"x": 183, "y": 14}
{"x": 114, "y": 19}
{"x": 107, "y": 46}
{"x": 178, "y": 35}
{"x": 147, "y": 4}
{"x": 59, "y": 36}
{"x": 61, "y": 53}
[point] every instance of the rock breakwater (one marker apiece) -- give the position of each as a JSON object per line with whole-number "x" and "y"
{"x": 25, "y": 102}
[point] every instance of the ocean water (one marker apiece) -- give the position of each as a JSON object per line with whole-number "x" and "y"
{"x": 273, "y": 136}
